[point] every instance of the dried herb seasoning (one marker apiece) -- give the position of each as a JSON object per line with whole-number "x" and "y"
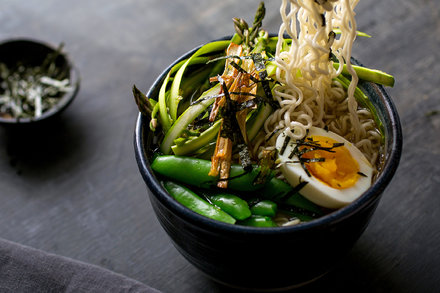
{"x": 27, "y": 91}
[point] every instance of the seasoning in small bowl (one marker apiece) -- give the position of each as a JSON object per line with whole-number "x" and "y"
{"x": 37, "y": 81}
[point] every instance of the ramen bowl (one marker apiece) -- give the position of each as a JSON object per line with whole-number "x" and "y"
{"x": 27, "y": 54}
{"x": 268, "y": 258}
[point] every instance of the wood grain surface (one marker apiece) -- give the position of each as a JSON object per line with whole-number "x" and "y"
{"x": 72, "y": 186}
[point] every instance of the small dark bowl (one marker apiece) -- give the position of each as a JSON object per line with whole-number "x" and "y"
{"x": 32, "y": 53}
{"x": 268, "y": 258}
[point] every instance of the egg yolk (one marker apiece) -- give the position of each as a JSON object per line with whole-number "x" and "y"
{"x": 338, "y": 169}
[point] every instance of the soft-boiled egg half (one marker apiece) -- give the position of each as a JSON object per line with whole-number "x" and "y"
{"x": 335, "y": 170}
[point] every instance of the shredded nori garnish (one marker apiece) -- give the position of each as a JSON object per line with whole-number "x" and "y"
{"x": 246, "y": 94}
{"x": 260, "y": 66}
{"x": 323, "y": 19}
{"x": 285, "y": 143}
{"x": 303, "y": 165}
{"x": 295, "y": 189}
{"x": 272, "y": 134}
{"x": 231, "y": 129}
{"x": 331, "y": 39}
{"x": 297, "y": 210}
{"x": 259, "y": 63}
{"x": 362, "y": 174}
{"x": 309, "y": 145}
{"x": 240, "y": 69}
{"x": 294, "y": 151}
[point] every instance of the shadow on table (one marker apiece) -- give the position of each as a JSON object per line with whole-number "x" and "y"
{"x": 41, "y": 147}
{"x": 354, "y": 274}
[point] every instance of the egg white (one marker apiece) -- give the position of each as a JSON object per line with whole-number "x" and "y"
{"x": 315, "y": 190}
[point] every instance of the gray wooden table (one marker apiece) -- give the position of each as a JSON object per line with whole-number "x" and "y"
{"x": 72, "y": 187}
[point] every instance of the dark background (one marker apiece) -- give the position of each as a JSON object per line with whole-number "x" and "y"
{"x": 72, "y": 187}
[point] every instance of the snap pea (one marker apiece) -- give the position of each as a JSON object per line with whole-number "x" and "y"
{"x": 275, "y": 189}
{"x": 231, "y": 204}
{"x": 258, "y": 221}
{"x": 264, "y": 208}
{"x": 279, "y": 191}
{"x": 192, "y": 201}
{"x": 195, "y": 171}
{"x": 301, "y": 202}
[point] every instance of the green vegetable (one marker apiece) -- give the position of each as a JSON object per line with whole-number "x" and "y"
{"x": 258, "y": 221}
{"x": 192, "y": 145}
{"x": 236, "y": 39}
{"x": 187, "y": 117}
{"x": 147, "y": 107}
{"x": 264, "y": 208}
{"x": 192, "y": 201}
{"x": 256, "y": 122}
{"x": 165, "y": 118}
{"x": 153, "y": 120}
{"x": 163, "y": 109}
{"x": 249, "y": 36}
{"x": 195, "y": 171}
{"x": 175, "y": 87}
{"x": 275, "y": 189}
{"x": 358, "y": 33}
{"x": 144, "y": 104}
{"x": 301, "y": 202}
{"x": 231, "y": 204}
{"x": 280, "y": 191}
{"x": 367, "y": 74}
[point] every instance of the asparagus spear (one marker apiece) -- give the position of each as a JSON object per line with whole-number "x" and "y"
{"x": 249, "y": 35}
{"x": 175, "y": 98}
{"x": 367, "y": 74}
{"x": 187, "y": 117}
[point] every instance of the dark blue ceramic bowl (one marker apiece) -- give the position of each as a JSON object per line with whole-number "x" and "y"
{"x": 268, "y": 258}
{"x": 32, "y": 53}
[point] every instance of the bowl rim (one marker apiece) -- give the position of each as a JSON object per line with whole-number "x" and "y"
{"x": 65, "y": 100}
{"x": 366, "y": 199}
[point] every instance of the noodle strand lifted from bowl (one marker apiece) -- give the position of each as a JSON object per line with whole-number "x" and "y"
{"x": 309, "y": 95}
